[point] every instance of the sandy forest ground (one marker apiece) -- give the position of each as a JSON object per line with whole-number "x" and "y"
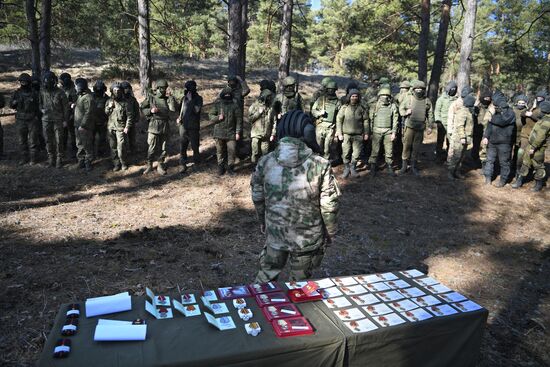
{"x": 66, "y": 236}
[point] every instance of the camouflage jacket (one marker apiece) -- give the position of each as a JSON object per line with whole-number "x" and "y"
{"x": 463, "y": 127}
{"x": 441, "y": 112}
{"x": 120, "y": 117}
{"x": 540, "y": 134}
{"x": 54, "y": 105}
{"x": 158, "y": 121}
{"x": 262, "y": 119}
{"x": 283, "y": 104}
{"x": 25, "y": 102}
{"x": 100, "y": 115}
{"x": 232, "y": 122}
{"x": 84, "y": 111}
{"x": 296, "y": 196}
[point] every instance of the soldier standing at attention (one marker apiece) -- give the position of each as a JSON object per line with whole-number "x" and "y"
{"x": 25, "y": 102}
{"x": 462, "y": 136}
{"x": 404, "y": 90}
{"x": 69, "y": 137}
{"x": 134, "y": 106}
{"x": 533, "y": 157}
{"x": 485, "y": 111}
{"x": 372, "y": 91}
{"x": 100, "y": 134}
{"x": 239, "y": 88}
{"x": 296, "y": 198}
{"x": 319, "y": 92}
{"x": 262, "y": 118}
{"x": 499, "y": 138}
{"x": 289, "y": 99}
{"x": 384, "y": 118}
{"x": 228, "y": 118}
{"x": 417, "y": 112}
{"x": 325, "y": 110}
{"x": 352, "y": 124}
{"x": 55, "y": 114}
{"x": 120, "y": 121}
{"x": 157, "y": 108}
{"x": 84, "y": 112}
{"x": 441, "y": 113}
{"x": 189, "y": 124}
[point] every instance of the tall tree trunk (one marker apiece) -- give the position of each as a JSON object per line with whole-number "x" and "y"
{"x": 286, "y": 33}
{"x": 45, "y": 35}
{"x": 439, "y": 57}
{"x": 236, "y": 43}
{"x": 423, "y": 40}
{"x": 244, "y": 38}
{"x": 30, "y": 11}
{"x": 466, "y": 45}
{"x": 145, "y": 64}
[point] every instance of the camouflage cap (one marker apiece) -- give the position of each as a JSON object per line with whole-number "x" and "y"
{"x": 161, "y": 83}
{"x": 289, "y": 81}
{"x": 405, "y": 84}
{"x": 25, "y": 78}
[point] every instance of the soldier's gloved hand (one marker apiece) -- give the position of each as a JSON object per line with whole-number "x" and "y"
{"x": 154, "y": 110}
{"x": 125, "y": 131}
{"x": 463, "y": 141}
{"x": 485, "y": 141}
{"x": 392, "y": 138}
{"x": 528, "y": 113}
{"x": 366, "y": 137}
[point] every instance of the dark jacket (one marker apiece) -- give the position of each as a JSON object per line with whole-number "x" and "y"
{"x": 501, "y": 128}
{"x": 190, "y": 112}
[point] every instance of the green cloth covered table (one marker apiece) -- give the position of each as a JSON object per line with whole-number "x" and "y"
{"x": 440, "y": 341}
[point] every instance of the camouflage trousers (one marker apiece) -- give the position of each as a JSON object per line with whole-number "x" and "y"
{"x": 352, "y": 146}
{"x": 458, "y": 153}
{"x": 324, "y": 136}
{"x": 536, "y": 162}
{"x": 378, "y": 139}
{"x": 53, "y": 134}
{"x": 519, "y": 151}
{"x": 156, "y": 147}
{"x": 27, "y": 132}
{"x": 84, "y": 145}
{"x": 260, "y": 146}
{"x": 118, "y": 141}
{"x": 225, "y": 152}
{"x": 412, "y": 141}
{"x": 272, "y": 262}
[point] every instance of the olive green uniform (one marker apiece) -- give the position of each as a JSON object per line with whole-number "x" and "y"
{"x": 69, "y": 136}
{"x": 415, "y": 124}
{"x": 538, "y": 142}
{"x": 158, "y": 131}
{"x": 26, "y": 104}
{"x": 119, "y": 118}
{"x": 384, "y": 120}
{"x": 226, "y": 129}
{"x": 441, "y": 114}
{"x": 55, "y": 113}
{"x": 84, "y": 122}
{"x": 325, "y": 110}
{"x": 133, "y": 105}
{"x": 263, "y": 128}
{"x": 352, "y": 122}
{"x": 100, "y": 132}
{"x": 283, "y": 104}
{"x": 528, "y": 123}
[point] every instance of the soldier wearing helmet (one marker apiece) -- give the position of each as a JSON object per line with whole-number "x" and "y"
{"x": 325, "y": 110}
{"x": 120, "y": 120}
{"x": 289, "y": 99}
{"x": 189, "y": 123}
{"x": 84, "y": 119}
{"x": 157, "y": 108}
{"x": 319, "y": 92}
{"x": 25, "y": 102}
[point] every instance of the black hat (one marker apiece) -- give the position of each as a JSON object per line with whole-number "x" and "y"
{"x": 469, "y": 101}
{"x": 296, "y": 124}
{"x": 545, "y": 107}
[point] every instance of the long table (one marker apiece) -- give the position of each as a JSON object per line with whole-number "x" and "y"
{"x": 441, "y": 341}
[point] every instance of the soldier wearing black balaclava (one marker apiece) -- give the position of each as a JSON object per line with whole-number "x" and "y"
{"x": 189, "y": 123}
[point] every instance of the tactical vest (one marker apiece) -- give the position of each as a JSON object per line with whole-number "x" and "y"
{"x": 417, "y": 119}
{"x": 382, "y": 116}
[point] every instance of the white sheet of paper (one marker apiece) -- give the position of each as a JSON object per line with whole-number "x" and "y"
{"x": 183, "y": 309}
{"x": 222, "y": 323}
{"x": 339, "y": 302}
{"x": 353, "y": 289}
{"x": 188, "y": 299}
{"x": 418, "y": 314}
{"x": 438, "y": 288}
{"x": 403, "y": 305}
{"x": 424, "y": 282}
{"x": 113, "y": 322}
{"x": 216, "y": 308}
{"x": 377, "y": 287}
{"x": 452, "y": 297}
{"x": 371, "y": 278}
{"x": 390, "y": 319}
{"x": 345, "y": 281}
{"x": 324, "y": 283}
{"x": 331, "y": 292}
{"x": 389, "y": 296}
{"x": 397, "y": 284}
{"x": 108, "y": 304}
{"x": 113, "y": 332}
{"x": 426, "y": 301}
{"x": 210, "y": 295}
{"x": 467, "y": 306}
{"x": 413, "y": 273}
{"x": 442, "y": 310}
{"x": 349, "y": 314}
{"x": 361, "y": 326}
{"x": 388, "y": 276}
{"x": 377, "y": 310}
{"x": 412, "y": 292}
{"x": 295, "y": 285}
{"x": 365, "y": 299}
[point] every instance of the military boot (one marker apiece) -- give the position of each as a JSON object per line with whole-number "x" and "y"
{"x": 373, "y": 169}
{"x": 390, "y": 171}
{"x": 88, "y": 165}
{"x": 518, "y": 183}
{"x": 538, "y": 186}
{"x": 230, "y": 171}
{"x": 81, "y": 163}
{"x": 346, "y": 172}
{"x": 404, "y": 165}
{"x": 124, "y": 166}
{"x": 414, "y": 170}
{"x": 353, "y": 170}
{"x": 148, "y": 168}
{"x": 221, "y": 169}
{"x": 59, "y": 162}
{"x": 161, "y": 169}
{"x": 500, "y": 183}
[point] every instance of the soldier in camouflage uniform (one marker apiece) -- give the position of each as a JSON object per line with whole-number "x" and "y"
{"x": 119, "y": 123}
{"x": 533, "y": 157}
{"x": 268, "y": 84}
{"x": 485, "y": 110}
{"x": 239, "y": 88}
{"x": 520, "y": 107}
{"x": 55, "y": 114}
{"x": 453, "y": 109}
{"x": 100, "y": 132}
{"x": 157, "y": 108}
{"x": 69, "y": 138}
{"x": 371, "y": 94}
{"x": 189, "y": 123}
{"x": 25, "y": 102}
{"x": 462, "y": 136}
{"x": 352, "y": 124}
{"x": 441, "y": 113}
{"x": 134, "y": 106}
{"x": 296, "y": 198}
{"x": 320, "y": 92}
{"x": 325, "y": 110}
{"x": 228, "y": 119}
{"x": 404, "y": 90}
{"x": 384, "y": 118}
{"x": 417, "y": 113}
{"x": 262, "y": 118}
{"x": 289, "y": 99}
{"x": 84, "y": 121}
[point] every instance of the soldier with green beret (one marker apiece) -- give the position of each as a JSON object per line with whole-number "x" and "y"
{"x": 352, "y": 124}
{"x": 25, "y": 102}
{"x": 228, "y": 118}
{"x": 417, "y": 112}
{"x": 262, "y": 119}
{"x": 325, "y": 110}
{"x": 157, "y": 108}
{"x": 384, "y": 118}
